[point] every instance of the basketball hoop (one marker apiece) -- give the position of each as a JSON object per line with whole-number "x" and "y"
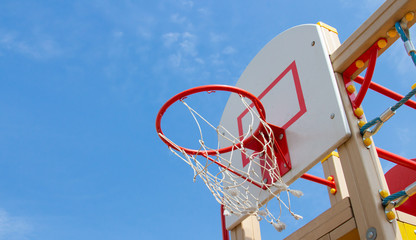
{"x": 265, "y": 146}
{"x": 209, "y": 88}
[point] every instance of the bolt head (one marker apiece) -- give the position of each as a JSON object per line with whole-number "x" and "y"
{"x": 371, "y": 233}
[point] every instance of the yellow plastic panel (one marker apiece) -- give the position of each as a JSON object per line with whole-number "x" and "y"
{"x": 408, "y": 231}
{"x": 352, "y": 235}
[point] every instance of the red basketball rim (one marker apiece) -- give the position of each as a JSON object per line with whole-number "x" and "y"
{"x": 207, "y": 88}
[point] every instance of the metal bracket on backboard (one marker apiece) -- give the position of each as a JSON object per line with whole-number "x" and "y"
{"x": 281, "y": 153}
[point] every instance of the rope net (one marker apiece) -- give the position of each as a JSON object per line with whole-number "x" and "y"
{"x": 233, "y": 186}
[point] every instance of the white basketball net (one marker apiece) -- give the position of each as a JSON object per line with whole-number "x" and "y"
{"x": 231, "y": 190}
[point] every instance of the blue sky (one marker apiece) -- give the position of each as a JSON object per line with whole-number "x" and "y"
{"x": 82, "y": 81}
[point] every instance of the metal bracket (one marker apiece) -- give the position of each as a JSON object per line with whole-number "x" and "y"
{"x": 280, "y": 149}
{"x": 371, "y": 56}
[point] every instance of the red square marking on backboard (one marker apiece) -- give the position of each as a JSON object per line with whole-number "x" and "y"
{"x": 302, "y": 106}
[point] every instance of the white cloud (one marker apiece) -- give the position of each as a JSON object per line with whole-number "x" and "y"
{"x": 216, "y": 59}
{"x": 188, "y": 47}
{"x": 185, "y": 42}
{"x": 144, "y": 33}
{"x": 368, "y": 6}
{"x": 229, "y": 50}
{"x": 187, "y": 52}
{"x": 40, "y": 46}
{"x": 177, "y": 19}
{"x": 118, "y": 34}
{"x": 170, "y": 38}
{"x": 13, "y": 227}
{"x": 215, "y": 38}
{"x": 175, "y": 59}
{"x": 188, "y": 44}
{"x": 184, "y": 55}
{"x": 204, "y": 11}
{"x": 188, "y": 35}
{"x": 7, "y": 39}
{"x": 199, "y": 60}
{"x": 187, "y": 3}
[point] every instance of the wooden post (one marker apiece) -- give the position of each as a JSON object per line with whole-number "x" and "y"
{"x": 332, "y": 167}
{"x": 364, "y": 177}
{"x": 362, "y": 171}
{"x": 248, "y": 229}
{"x": 331, "y": 164}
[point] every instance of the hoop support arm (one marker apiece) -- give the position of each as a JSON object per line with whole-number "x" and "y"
{"x": 371, "y": 56}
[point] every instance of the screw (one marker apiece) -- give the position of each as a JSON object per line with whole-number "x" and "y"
{"x": 332, "y": 115}
{"x": 281, "y": 136}
{"x": 313, "y": 43}
{"x": 371, "y": 233}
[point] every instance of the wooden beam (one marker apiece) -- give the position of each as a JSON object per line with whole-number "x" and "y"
{"x": 326, "y": 237}
{"x": 343, "y": 230}
{"x": 325, "y": 223}
{"x": 405, "y": 217}
{"x": 375, "y": 27}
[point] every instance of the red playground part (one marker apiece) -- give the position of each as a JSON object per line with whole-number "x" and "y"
{"x": 369, "y": 56}
{"x": 398, "y": 178}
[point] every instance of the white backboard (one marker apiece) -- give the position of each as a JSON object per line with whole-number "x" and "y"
{"x": 293, "y": 77}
